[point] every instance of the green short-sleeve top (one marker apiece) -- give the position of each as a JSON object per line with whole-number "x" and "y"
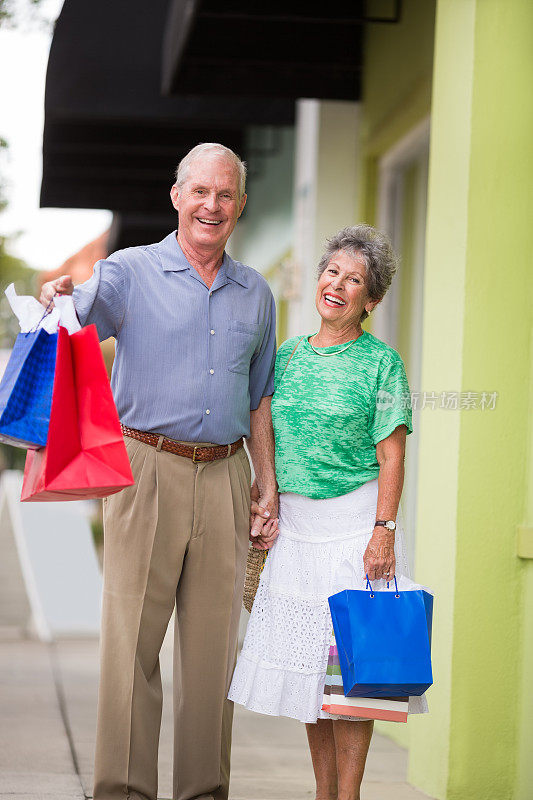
{"x": 329, "y": 412}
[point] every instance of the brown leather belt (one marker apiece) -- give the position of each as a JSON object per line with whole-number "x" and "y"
{"x": 195, "y": 453}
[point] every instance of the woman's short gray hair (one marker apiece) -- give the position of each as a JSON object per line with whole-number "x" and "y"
{"x": 211, "y": 149}
{"x": 375, "y": 247}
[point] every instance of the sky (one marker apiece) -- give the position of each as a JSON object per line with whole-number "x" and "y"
{"x": 43, "y": 237}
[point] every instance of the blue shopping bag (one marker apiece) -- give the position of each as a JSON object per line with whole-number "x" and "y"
{"x": 26, "y": 390}
{"x": 383, "y": 640}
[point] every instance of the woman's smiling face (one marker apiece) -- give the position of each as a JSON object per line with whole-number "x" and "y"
{"x": 342, "y": 295}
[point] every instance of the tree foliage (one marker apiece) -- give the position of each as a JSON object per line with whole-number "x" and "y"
{"x": 21, "y": 13}
{"x": 12, "y": 270}
{"x": 3, "y": 151}
{"x": 14, "y": 14}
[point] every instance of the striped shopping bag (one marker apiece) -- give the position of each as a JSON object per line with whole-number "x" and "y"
{"x": 334, "y": 701}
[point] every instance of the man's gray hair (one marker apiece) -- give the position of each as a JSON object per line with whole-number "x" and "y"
{"x": 211, "y": 149}
{"x": 375, "y": 247}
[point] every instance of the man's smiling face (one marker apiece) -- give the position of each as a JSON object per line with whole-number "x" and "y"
{"x": 208, "y": 203}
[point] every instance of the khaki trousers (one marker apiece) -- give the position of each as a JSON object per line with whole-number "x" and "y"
{"x": 179, "y": 537}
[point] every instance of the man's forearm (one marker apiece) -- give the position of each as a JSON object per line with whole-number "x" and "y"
{"x": 261, "y": 448}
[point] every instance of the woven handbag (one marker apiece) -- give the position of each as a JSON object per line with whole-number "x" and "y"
{"x": 257, "y": 558}
{"x": 254, "y": 567}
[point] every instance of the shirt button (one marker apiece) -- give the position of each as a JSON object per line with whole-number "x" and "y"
{"x": 211, "y": 371}
{"x": 207, "y": 411}
{"x": 212, "y": 332}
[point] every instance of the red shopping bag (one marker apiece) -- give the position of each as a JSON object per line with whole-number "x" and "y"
{"x": 85, "y": 456}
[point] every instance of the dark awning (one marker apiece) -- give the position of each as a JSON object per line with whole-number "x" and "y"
{"x": 130, "y": 230}
{"x": 111, "y": 140}
{"x": 123, "y": 166}
{"x": 278, "y": 48}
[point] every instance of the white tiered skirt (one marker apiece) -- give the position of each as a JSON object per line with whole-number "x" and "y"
{"x": 282, "y": 667}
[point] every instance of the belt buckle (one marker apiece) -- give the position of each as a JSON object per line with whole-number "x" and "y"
{"x": 194, "y": 454}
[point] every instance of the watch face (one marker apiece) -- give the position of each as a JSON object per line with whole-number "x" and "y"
{"x": 390, "y": 525}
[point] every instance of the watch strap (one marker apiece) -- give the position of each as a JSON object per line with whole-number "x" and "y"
{"x": 383, "y": 523}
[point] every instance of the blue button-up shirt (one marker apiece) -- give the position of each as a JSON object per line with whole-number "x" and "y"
{"x": 191, "y": 362}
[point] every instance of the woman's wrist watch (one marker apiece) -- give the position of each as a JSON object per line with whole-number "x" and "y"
{"x": 385, "y": 523}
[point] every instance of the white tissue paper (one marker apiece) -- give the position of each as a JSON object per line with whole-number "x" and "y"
{"x": 347, "y": 577}
{"x": 31, "y": 314}
{"x": 67, "y": 313}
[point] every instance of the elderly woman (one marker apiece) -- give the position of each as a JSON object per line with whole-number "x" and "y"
{"x": 341, "y": 415}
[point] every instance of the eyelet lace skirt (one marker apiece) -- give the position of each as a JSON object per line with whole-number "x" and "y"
{"x": 282, "y": 667}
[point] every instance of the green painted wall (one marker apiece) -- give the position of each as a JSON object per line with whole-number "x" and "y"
{"x": 406, "y": 267}
{"x": 444, "y": 312}
{"x": 397, "y": 74}
{"x": 525, "y": 730}
{"x": 477, "y": 334}
{"x": 493, "y": 454}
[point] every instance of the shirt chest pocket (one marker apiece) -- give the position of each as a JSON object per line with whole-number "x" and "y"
{"x": 242, "y": 341}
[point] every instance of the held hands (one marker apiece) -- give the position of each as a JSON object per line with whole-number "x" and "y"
{"x": 62, "y": 285}
{"x": 263, "y": 518}
{"x": 379, "y": 560}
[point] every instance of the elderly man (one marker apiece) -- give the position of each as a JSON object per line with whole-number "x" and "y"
{"x": 193, "y": 375}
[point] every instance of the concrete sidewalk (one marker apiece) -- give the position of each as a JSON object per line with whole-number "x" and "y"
{"x": 47, "y": 722}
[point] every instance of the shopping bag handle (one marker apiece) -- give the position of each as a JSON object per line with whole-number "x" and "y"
{"x": 46, "y": 312}
{"x": 369, "y": 586}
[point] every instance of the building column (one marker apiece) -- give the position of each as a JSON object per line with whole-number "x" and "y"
{"x": 473, "y": 490}
{"x": 324, "y": 195}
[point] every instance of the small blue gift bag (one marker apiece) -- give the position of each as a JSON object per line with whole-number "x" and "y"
{"x": 28, "y": 382}
{"x": 26, "y": 390}
{"x": 383, "y": 641}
